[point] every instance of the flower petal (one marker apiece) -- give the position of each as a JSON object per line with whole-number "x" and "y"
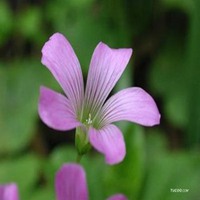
{"x": 106, "y": 67}
{"x": 109, "y": 141}
{"x": 117, "y": 197}
{"x": 71, "y": 183}
{"x": 9, "y": 192}
{"x": 59, "y": 57}
{"x": 132, "y": 104}
{"x": 55, "y": 110}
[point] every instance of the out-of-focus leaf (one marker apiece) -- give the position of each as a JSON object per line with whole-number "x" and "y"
{"x": 17, "y": 111}
{"x": 6, "y": 21}
{"x": 176, "y": 108}
{"x": 19, "y": 86}
{"x": 23, "y": 171}
{"x": 168, "y": 68}
{"x": 169, "y": 170}
{"x": 176, "y": 73}
{"x": 193, "y": 61}
{"x": 43, "y": 194}
{"x": 80, "y": 4}
{"x": 156, "y": 144}
{"x": 127, "y": 177}
{"x": 95, "y": 169}
{"x": 185, "y": 5}
{"x": 168, "y": 80}
{"x": 172, "y": 171}
{"x": 139, "y": 14}
{"x": 29, "y": 24}
{"x": 59, "y": 156}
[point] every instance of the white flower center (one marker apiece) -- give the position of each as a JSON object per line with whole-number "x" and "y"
{"x": 89, "y": 120}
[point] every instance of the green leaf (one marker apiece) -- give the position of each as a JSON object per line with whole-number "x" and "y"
{"x": 23, "y": 171}
{"x": 127, "y": 176}
{"x": 95, "y": 169}
{"x": 170, "y": 170}
{"x": 29, "y": 24}
{"x": 19, "y": 86}
{"x": 6, "y": 21}
{"x": 193, "y": 61}
{"x": 185, "y": 5}
{"x": 43, "y": 193}
{"x": 61, "y": 155}
{"x": 168, "y": 79}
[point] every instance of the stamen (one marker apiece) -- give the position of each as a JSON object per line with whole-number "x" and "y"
{"x": 89, "y": 120}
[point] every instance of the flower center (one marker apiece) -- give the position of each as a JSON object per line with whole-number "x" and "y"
{"x": 89, "y": 120}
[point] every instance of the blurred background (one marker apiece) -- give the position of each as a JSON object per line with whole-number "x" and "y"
{"x": 165, "y": 36}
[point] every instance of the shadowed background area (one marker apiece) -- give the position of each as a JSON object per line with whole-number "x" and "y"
{"x": 164, "y": 35}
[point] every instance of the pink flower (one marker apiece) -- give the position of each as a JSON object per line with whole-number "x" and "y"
{"x": 88, "y": 110}
{"x": 9, "y": 192}
{"x": 71, "y": 184}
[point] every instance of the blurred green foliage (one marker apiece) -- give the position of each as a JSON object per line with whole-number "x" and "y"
{"x": 165, "y": 37}
{"x": 6, "y": 22}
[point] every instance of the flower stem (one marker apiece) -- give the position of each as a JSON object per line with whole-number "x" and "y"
{"x": 78, "y": 158}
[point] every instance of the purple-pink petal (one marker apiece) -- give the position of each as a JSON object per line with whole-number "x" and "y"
{"x": 71, "y": 183}
{"x": 106, "y": 67}
{"x": 117, "y": 197}
{"x": 59, "y": 57}
{"x": 55, "y": 110}
{"x": 109, "y": 141}
{"x": 132, "y": 104}
{"x": 9, "y": 192}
